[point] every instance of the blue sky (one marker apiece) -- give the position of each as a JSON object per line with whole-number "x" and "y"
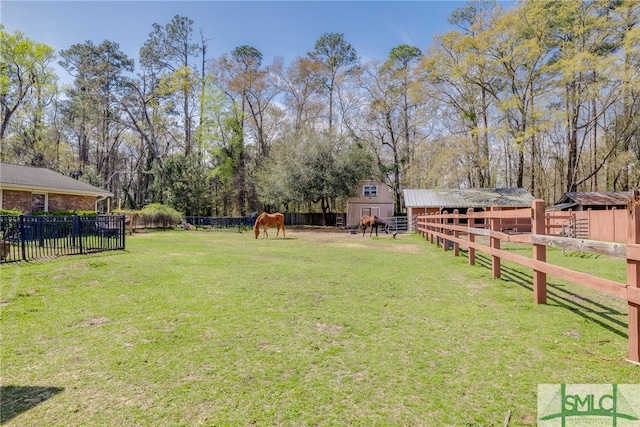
{"x": 276, "y": 28}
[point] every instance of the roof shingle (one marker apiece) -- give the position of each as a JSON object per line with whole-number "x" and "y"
{"x": 40, "y": 179}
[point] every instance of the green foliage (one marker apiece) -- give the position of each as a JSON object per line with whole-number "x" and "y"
{"x": 334, "y": 51}
{"x": 228, "y": 158}
{"x": 492, "y": 113}
{"x": 249, "y": 56}
{"x": 158, "y": 214}
{"x": 10, "y": 212}
{"x": 404, "y": 55}
{"x": 311, "y": 168}
{"x": 186, "y": 185}
{"x": 27, "y": 87}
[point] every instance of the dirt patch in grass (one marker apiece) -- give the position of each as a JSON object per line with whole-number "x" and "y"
{"x": 92, "y": 321}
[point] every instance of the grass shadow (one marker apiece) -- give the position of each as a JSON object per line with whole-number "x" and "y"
{"x": 558, "y": 294}
{"x": 15, "y": 400}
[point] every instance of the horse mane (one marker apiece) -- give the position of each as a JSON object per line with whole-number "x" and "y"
{"x": 256, "y": 225}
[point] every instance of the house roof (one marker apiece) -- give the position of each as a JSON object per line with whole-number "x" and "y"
{"x": 468, "y": 198}
{"x": 29, "y": 178}
{"x": 596, "y": 198}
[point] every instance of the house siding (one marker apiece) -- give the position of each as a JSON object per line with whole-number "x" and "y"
{"x": 382, "y": 203}
{"x": 71, "y": 202}
{"x": 21, "y": 201}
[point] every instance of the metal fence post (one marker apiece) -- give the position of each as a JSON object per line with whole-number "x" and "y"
{"x": 78, "y": 226}
{"x": 122, "y": 231}
{"x": 23, "y": 237}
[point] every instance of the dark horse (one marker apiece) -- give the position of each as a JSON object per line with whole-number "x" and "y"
{"x": 373, "y": 222}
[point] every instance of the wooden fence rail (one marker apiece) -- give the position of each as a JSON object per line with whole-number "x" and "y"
{"x": 450, "y": 230}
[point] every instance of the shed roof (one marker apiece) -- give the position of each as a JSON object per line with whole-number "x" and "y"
{"x": 30, "y": 178}
{"x": 597, "y": 198}
{"x": 468, "y": 198}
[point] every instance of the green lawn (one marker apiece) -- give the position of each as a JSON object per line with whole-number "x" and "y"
{"x": 218, "y": 328}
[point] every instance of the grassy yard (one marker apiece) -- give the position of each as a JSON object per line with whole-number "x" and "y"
{"x": 217, "y": 328}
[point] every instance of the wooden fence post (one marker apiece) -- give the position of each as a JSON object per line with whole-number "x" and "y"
{"x": 471, "y": 222}
{"x": 431, "y": 229}
{"x": 633, "y": 277}
{"x": 494, "y": 243}
{"x": 445, "y": 242}
{"x": 456, "y": 234}
{"x": 613, "y": 223}
{"x": 539, "y": 252}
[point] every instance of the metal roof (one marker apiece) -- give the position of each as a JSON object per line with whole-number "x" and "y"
{"x": 468, "y": 198}
{"x": 30, "y": 178}
{"x": 597, "y": 198}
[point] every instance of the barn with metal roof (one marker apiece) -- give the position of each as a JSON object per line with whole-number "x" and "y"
{"x": 421, "y": 201}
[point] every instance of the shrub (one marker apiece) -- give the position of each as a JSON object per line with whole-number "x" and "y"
{"x": 10, "y": 212}
{"x": 158, "y": 215}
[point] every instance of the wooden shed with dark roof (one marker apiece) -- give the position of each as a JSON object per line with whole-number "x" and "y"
{"x": 595, "y": 200}
{"x": 31, "y": 189}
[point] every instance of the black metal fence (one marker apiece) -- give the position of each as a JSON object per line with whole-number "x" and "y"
{"x": 32, "y": 237}
{"x": 396, "y": 223}
{"x": 248, "y": 221}
{"x": 220, "y": 222}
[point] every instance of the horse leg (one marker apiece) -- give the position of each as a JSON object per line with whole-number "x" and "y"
{"x": 265, "y": 235}
{"x": 283, "y": 236}
{"x": 277, "y": 229}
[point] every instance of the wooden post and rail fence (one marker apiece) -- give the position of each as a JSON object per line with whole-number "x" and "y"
{"x": 450, "y": 230}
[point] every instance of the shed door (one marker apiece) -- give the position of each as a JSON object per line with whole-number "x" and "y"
{"x": 370, "y": 211}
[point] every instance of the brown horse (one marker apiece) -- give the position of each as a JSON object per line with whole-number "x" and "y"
{"x": 373, "y": 222}
{"x": 267, "y": 219}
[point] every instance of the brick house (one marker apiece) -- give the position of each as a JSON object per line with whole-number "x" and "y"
{"x": 30, "y": 189}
